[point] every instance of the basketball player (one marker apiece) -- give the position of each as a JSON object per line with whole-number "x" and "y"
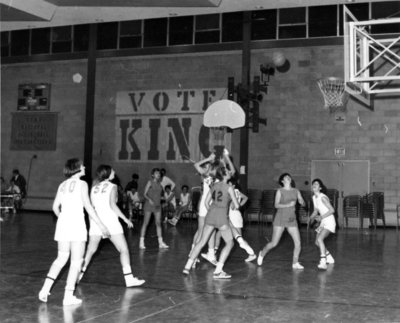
{"x": 236, "y": 223}
{"x": 206, "y": 168}
{"x": 323, "y": 213}
{"x": 221, "y": 194}
{"x": 152, "y": 204}
{"x": 210, "y": 256}
{"x": 285, "y": 202}
{"x": 104, "y": 199}
{"x": 71, "y": 234}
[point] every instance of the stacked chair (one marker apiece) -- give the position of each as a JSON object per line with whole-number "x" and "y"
{"x": 253, "y": 205}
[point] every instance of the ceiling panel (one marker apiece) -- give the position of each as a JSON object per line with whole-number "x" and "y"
{"x": 26, "y": 14}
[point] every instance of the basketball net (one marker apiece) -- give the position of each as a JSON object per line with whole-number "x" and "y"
{"x": 335, "y": 95}
{"x": 218, "y": 140}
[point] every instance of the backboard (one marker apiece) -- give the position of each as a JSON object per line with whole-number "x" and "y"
{"x": 224, "y": 113}
{"x": 371, "y": 61}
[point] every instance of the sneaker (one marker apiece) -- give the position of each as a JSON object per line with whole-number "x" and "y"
{"x": 134, "y": 281}
{"x": 162, "y": 245}
{"x": 297, "y": 266}
{"x": 329, "y": 259}
{"x": 250, "y": 258}
{"x": 208, "y": 258}
{"x": 221, "y": 275}
{"x": 322, "y": 265}
{"x": 72, "y": 300}
{"x": 142, "y": 246}
{"x": 172, "y": 222}
{"x": 260, "y": 259}
{"x": 186, "y": 271}
{"x": 43, "y": 296}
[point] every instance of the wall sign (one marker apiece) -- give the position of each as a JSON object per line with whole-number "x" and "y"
{"x": 340, "y": 151}
{"x": 33, "y": 131}
{"x": 164, "y": 125}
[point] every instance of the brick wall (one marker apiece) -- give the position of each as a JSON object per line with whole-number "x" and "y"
{"x": 299, "y": 129}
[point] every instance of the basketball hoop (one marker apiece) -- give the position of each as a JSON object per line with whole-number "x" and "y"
{"x": 335, "y": 95}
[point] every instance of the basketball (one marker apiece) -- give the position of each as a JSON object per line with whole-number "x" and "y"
{"x": 278, "y": 59}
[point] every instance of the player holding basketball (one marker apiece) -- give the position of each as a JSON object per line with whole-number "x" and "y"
{"x": 221, "y": 194}
{"x": 285, "y": 201}
{"x": 323, "y": 212}
{"x": 206, "y": 168}
{"x": 210, "y": 256}
{"x": 71, "y": 234}
{"x": 104, "y": 198}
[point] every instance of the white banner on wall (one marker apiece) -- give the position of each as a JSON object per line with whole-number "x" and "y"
{"x": 164, "y": 125}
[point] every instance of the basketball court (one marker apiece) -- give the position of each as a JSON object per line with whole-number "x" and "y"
{"x": 362, "y": 286}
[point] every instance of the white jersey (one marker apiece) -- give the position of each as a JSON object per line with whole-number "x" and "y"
{"x": 71, "y": 221}
{"x": 207, "y": 181}
{"x": 101, "y": 197}
{"x": 172, "y": 201}
{"x": 329, "y": 222}
{"x": 184, "y": 199}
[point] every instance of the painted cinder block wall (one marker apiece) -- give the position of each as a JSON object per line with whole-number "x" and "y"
{"x": 299, "y": 129}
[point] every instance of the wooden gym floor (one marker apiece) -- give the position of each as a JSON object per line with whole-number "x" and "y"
{"x": 362, "y": 286}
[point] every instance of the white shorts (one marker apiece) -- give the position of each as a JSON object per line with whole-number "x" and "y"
{"x": 328, "y": 223}
{"x": 70, "y": 228}
{"x": 236, "y": 218}
{"x": 111, "y": 222}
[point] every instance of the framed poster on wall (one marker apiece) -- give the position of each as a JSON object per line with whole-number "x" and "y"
{"x": 33, "y": 131}
{"x": 34, "y": 97}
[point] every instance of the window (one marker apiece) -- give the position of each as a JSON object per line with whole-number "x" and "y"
{"x": 81, "y": 38}
{"x": 263, "y": 24}
{"x": 292, "y": 23}
{"x": 322, "y": 21}
{"x": 40, "y": 41}
{"x": 19, "y": 42}
{"x": 107, "y": 35}
{"x": 207, "y": 29}
{"x": 61, "y": 39}
{"x": 232, "y": 26}
{"x": 5, "y": 44}
{"x": 181, "y": 31}
{"x": 130, "y": 35}
{"x": 382, "y": 10}
{"x": 155, "y": 32}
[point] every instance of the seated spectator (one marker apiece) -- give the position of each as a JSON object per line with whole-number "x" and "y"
{"x": 169, "y": 202}
{"x": 184, "y": 203}
{"x": 165, "y": 180}
{"x": 19, "y": 181}
{"x": 14, "y": 190}
{"x": 133, "y": 183}
{"x": 134, "y": 202}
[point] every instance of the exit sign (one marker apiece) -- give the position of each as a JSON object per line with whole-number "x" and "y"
{"x": 340, "y": 151}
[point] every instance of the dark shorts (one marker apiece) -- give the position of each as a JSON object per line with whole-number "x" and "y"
{"x": 151, "y": 208}
{"x": 217, "y": 217}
